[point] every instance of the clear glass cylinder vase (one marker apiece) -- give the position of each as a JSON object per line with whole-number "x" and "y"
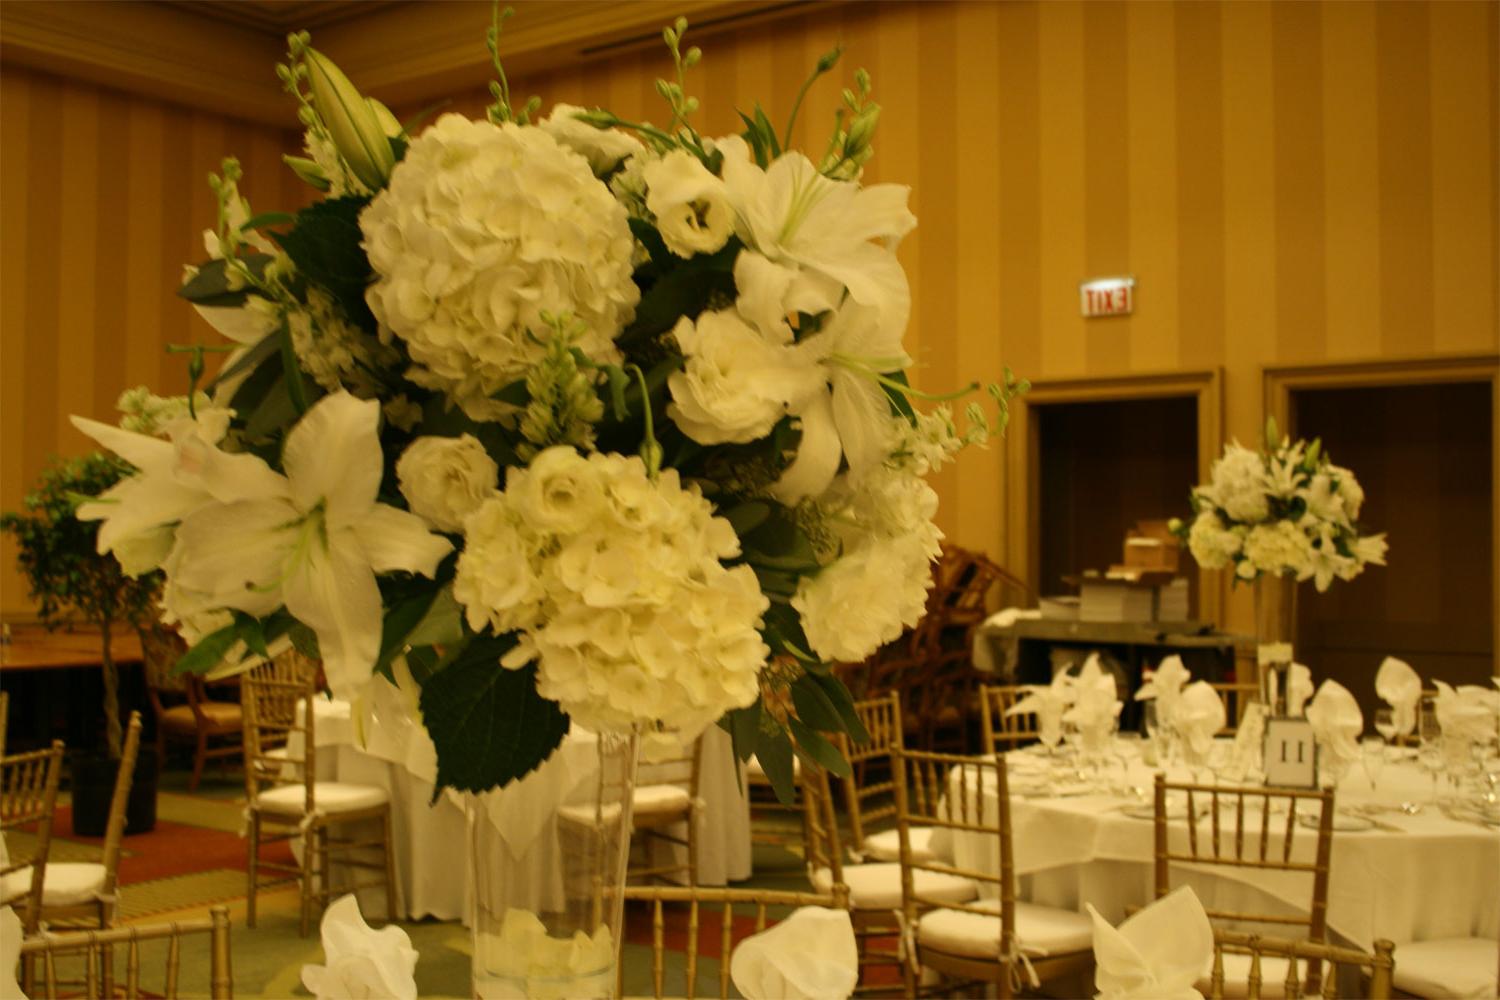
{"x": 547, "y": 861}
{"x": 1275, "y": 623}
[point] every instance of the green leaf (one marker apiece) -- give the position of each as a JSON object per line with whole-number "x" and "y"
{"x": 818, "y": 750}
{"x": 208, "y": 651}
{"x": 274, "y": 412}
{"x": 618, "y": 383}
{"x": 291, "y": 372}
{"x": 251, "y": 632}
{"x": 684, "y": 291}
{"x": 743, "y": 724}
{"x": 763, "y": 124}
{"x": 325, "y": 247}
{"x": 399, "y": 622}
{"x": 814, "y": 708}
{"x": 268, "y": 219}
{"x": 442, "y": 624}
{"x": 441, "y": 420}
{"x": 843, "y": 703}
{"x": 779, "y": 542}
{"x": 305, "y": 641}
{"x": 211, "y": 286}
{"x": 899, "y": 400}
{"x": 251, "y": 359}
{"x": 774, "y": 751}
{"x": 488, "y": 723}
{"x": 746, "y": 517}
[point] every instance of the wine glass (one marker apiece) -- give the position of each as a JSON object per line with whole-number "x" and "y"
{"x": 1430, "y": 750}
{"x": 1372, "y": 756}
{"x": 1049, "y": 731}
{"x": 1385, "y": 724}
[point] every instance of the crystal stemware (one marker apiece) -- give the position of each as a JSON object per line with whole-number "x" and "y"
{"x": 1372, "y": 756}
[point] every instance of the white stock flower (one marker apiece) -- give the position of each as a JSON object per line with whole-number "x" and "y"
{"x": 1238, "y": 484}
{"x": 736, "y": 383}
{"x": 314, "y": 544}
{"x": 1213, "y": 545}
{"x": 692, "y": 209}
{"x": 445, "y": 479}
{"x": 1278, "y": 548}
{"x": 336, "y": 353}
{"x": 604, "y": 148}
{"x": 482, "y": 230}
{"x": 865, "y": 599}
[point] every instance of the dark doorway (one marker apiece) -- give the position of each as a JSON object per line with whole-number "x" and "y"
{"x": 1105, "y": 466}
{"x": 1425, "y": 456}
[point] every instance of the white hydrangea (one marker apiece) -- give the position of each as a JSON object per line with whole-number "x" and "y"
{"x": 866, "y": 598}
{"x": 1277, "y": 548}
{"x": 1213, "y": 545}
{"x": 334, "y": 352}
{"x": 445, "y": 479}
{"x": 617, "y": 587}
{"x": 1238, "y": 484}
{"x": 483, "y": 229}
{"x": 1348, "y": 489}
{"x": 604, "y": 148}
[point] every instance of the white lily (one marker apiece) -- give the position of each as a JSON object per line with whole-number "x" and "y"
{"x": 176, "y": 478}
{"x": 316, "y": 545}
{"x": 849, "y": 414}
{"x": 792, "y": 214}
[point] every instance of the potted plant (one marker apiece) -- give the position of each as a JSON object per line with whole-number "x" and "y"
{"x": 58, "y": 553}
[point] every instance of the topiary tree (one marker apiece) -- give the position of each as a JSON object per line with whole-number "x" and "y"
{"x": 60, "y": 557}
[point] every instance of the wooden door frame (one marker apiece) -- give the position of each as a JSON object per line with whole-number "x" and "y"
{"x": 1023, "y": 456}
{"x": 1280, "y": 381}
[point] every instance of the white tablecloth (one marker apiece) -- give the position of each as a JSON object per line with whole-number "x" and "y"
{"x": 382, "y": 745}
{"x": 1431, "y": 877}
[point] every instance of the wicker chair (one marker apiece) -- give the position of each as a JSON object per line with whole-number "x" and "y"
{"x": 99, "y": 949}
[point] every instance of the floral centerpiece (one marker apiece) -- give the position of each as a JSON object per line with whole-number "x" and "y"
{"x": 552, "y": 419}
{"x": 1279, "y": 516}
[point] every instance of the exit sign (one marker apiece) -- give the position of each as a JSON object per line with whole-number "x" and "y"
{"x": 1107, "y": 296}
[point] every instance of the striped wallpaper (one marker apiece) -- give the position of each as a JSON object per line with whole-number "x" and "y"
{"x": 1289, "y": 183}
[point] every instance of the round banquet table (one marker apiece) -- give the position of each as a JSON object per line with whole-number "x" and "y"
{"x": 381, "y": 744}
{"x": 1407, "y": 878}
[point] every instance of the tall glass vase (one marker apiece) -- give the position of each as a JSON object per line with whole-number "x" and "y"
{"x": 546, "y": 918}
{"x": 1275, "y": 620}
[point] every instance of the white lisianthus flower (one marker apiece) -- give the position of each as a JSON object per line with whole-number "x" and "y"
{"x": 559, "y": 492}
{"x": 692, "y": 209}
{"x": 1238, "y": 484}
{"x": 445, "y": 479}
{"x": 604, "y": 148}
{"x": 1278, "y": 548}
{"x": 736, "y": 384}
{"x": 314, "y": 544}
{"x": 483, "y": 229}
{"x": 865, "y": 599}
{"x": 1213, "y": 545}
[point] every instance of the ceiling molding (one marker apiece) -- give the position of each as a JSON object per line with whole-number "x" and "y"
{"x": 220, "y": 56}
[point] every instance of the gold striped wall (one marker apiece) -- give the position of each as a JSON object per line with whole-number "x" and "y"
{"x": 1289, "y": 183}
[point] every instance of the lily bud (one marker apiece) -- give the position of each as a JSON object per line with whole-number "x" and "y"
{"x": 355, "y": 128}
{"x": 388, "y": 122}
{"x": 308, "y": 171}
{"x": 862, "y": 128}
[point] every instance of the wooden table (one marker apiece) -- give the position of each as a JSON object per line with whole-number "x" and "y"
{"x": 32, "y": 647}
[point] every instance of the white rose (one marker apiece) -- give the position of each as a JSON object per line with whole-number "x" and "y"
{"x": 560, "y": 491}
{"x": 445, "y": 479}
{"x": 736, "y": 384}
{"x": 1212, "y": 545}
{"x": 692, "y": 209}
{"x": 865, "y": 599}
{"x": 604, "y": 148}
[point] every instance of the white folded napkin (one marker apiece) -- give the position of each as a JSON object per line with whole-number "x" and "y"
{"x": 1165, "y": 685}
{"x": 1157, "y": 954}
{"x": 1199, "y": 716}
{"x": 1336, "y": 720}
{"x": 1399, "y": 687}
{"x": 811, "y": 955}
{"x": 362, "y": 963}
{"x": 1299, "y": 688}
{"x": 10, "y": 953}
{"x": 1046, "y": 701}
{"x": 1465, "y": 713}
{"x": 1095, "y": 704}
{"x": 1249, "y": 734}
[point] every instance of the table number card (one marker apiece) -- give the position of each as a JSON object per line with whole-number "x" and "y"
{"x": 1291, "y": 753}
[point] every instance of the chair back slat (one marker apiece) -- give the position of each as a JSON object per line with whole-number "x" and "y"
{"x": 869, "y": 789}
{"x": 277, "y": 701}
{"x": 98, "y": 948}
{"x": 28, "y": 797}
{"x": 1306, "y": 961}
{"x": 1002, "y": 732}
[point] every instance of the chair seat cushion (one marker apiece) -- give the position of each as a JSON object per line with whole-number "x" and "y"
{"x": 877, "y": 886}
{"x": 1450, "y": 967}
{"x": 1237, "y": 976}
{"x": 328, "y": 796}
{"x": 886, "y": 845}
{"x": 649, "y": 803}
{"x": 220, "y": 714}
{"x": 1042, "y": 930}
{"x": 66, "y": 883}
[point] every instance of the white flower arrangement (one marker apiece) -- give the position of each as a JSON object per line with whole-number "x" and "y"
{"x": 583, "y": 419}
{"x": 1287, "y": 511}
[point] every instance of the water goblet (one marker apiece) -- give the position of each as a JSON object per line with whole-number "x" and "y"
{"x": 1430, "y": 750}
{"x": 1372, "y": 756}
{"x": 1385, "y": 724}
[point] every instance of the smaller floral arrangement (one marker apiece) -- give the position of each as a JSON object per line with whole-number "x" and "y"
{"x": 1284, "y": 511}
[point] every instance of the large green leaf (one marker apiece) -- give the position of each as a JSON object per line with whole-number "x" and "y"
{"x": 843, "y": 703}
{"x": 208, "y": 651}
{"x": 325, "y": 247}
{"x": 211, "y": 286}
{"x": 488, "y": 723}
{"x": 774, "y": 751}
{"x": 818, "y": 750}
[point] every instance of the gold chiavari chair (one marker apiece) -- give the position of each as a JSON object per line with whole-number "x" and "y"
{"x": 84, "y": 894}
{"x": 994, "y": 938}
{"x": 869, "y": 790}
{"x": 28, "y": 800}
{"x": 666, "y": 795}
{"x": 1286, "y": 954}
{"x": 1248, "y": 830}
{"x": 182, "y": 706}
{"x": 286, "y": 801}
{"x": 1236, "y": 696}
{"x": 98, "y": 949}
{"x": 756, "y": 901}
{"x": 1002, "y": 732}
{"x": 874, "y": 886}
